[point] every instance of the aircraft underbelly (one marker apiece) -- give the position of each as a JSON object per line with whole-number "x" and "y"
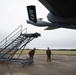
{"x": 56, "y": 19}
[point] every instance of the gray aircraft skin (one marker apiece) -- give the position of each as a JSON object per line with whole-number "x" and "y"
{"x": 62, "y": 14}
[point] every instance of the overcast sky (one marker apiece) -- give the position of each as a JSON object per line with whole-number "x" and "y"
{"x": 13, "y": 13}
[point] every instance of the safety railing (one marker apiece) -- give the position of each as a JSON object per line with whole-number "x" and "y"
{"x": 11, "y": 37}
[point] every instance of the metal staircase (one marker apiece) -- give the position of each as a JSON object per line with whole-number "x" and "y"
{"x": 17, "y": 40}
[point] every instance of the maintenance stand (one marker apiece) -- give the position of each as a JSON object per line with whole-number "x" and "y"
{"x": 16, "y": 41}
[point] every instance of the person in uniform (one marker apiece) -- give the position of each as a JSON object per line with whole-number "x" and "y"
{"x": 31, "y": 53}
{"x": 48, "y": 53}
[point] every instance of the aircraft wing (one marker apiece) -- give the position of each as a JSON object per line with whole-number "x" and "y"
{"x": 61, "y": 14}
{"x": 38, "y": 22}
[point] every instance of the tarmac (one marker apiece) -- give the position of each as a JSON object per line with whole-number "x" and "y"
{"x": 60, "y": 65}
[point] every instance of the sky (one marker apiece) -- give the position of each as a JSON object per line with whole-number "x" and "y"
{"x": 13, "y": 13}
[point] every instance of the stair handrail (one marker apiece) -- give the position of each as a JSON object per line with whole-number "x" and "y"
{"x": 24, "y": 30}
{"x": 4, "y": 41}
{"x": 16, "y": 35}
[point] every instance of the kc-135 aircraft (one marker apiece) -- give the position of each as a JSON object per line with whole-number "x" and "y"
{"x": 62, "y": 14}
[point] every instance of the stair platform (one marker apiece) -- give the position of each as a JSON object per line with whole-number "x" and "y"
{"x": 32, "y": 35}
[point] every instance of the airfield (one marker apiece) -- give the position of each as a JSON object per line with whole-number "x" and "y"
{"x": 63, "y": 63}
